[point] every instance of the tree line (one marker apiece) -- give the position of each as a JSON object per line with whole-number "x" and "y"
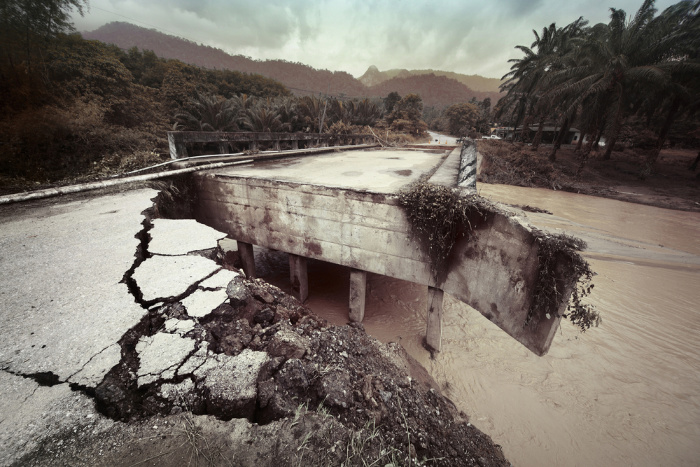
{"x": 640, "y": 72}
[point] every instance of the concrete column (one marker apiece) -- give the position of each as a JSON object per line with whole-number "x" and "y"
{"x": 358, "y": 289}
{"x": 253, "y": 145}
{"x": 433, "y": 336}
{"x": 295, "y": 144}
{"x": 178, "y": 150}
{"x": 245, "y": 251}
{"x": 277, "y": 145}
{"x": 298, "y": 277}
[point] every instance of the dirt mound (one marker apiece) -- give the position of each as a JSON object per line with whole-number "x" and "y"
{"x": 263, "y": 380}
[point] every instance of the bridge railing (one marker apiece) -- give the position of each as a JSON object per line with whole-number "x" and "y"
{"x": 179, "y": 140}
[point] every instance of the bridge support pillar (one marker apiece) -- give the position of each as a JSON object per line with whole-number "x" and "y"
{"x": 245, "y": 251}
{"x": 358, "y": 289}
{"x": 253, "y": 145}
{"x": 298, "y": 277}
{"x": 295, "y": 144}
{"x": 433, "y": 336}
{"x": 276, "y": 145}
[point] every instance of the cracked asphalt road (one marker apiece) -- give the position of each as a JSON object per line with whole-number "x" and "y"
{"x": 62, "y": 305}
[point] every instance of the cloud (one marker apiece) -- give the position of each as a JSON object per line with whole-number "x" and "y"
{"x": 466, "y": 36}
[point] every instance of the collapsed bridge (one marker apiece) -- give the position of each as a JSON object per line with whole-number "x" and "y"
{"x": 343, "y": 207}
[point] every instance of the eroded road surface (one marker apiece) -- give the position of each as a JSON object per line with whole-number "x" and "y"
{"x": 61, "y": 323}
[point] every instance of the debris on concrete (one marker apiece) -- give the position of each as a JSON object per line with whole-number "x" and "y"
{"x": 220, "y": 280}
{"x": 289, "y": 344}
{"x": 164, "y": 277}
{"x": 178, "y": 326}
{"x": 160, "y": 355}
{"x": 203, "y": 302}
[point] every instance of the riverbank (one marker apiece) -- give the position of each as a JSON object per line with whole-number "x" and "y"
{"x": 671, "y": 186}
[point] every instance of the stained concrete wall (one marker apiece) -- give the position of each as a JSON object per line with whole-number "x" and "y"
{"x": 494, "y": 271}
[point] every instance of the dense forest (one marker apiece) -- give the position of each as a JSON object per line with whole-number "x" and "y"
{"x": 631, "y": 80}
{"x": 301, "y": 79}
{"x": 71, "y": 105}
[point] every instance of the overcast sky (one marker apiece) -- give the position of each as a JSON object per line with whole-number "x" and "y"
{"x": 466, "y": 36}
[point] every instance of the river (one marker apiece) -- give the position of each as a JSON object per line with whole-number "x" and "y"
{"x": 625, "y": 393}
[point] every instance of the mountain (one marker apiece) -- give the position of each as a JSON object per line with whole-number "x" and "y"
{"x": 373, "y": 76}
{"x": 435, "y": 89}
{"x": 301, "y": 79}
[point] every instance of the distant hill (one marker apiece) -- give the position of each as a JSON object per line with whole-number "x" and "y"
{"x": 437, "y": 91}
{"x": 373, "y": 76}
{"x": 302, "y": 79}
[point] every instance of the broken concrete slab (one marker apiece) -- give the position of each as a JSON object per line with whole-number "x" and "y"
{"x": 160, "y": 356}
{"x": 94, "y": 371}
{"x": 196, "y": 360}
{"x": 61, "y": 300}
{"x": 178, "y": 326}
{"x": 203, "y": 302}
{"x": 232, "y": 382}
{"x": 181, "y": 236}
{"x": 219, "y": 280}
{"x": 162, "y": 277}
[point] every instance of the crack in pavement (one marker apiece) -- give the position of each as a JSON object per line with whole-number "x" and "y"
{"x": 89, "y": 361}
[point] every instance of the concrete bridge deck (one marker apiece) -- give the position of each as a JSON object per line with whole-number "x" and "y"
{"x": 343, "y": 208}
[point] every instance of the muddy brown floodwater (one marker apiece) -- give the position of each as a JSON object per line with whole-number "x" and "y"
{"x": 625, "y": 393}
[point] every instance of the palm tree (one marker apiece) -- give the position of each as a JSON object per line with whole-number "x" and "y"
{"x": 264, "y": 117}
{"x": 208, "y": 112}
{"x": 617, "y": 61}
{"x": 526, "y": 82}
{"x": 311, "y": 111}
{"x": 365, "y": 113}
{"x": 679, "y": 23}
{"x": 288, "y": 112}
{"x": 339, "y": 111}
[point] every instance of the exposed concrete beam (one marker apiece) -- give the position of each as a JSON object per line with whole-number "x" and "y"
{"x": 358, "y": 292}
